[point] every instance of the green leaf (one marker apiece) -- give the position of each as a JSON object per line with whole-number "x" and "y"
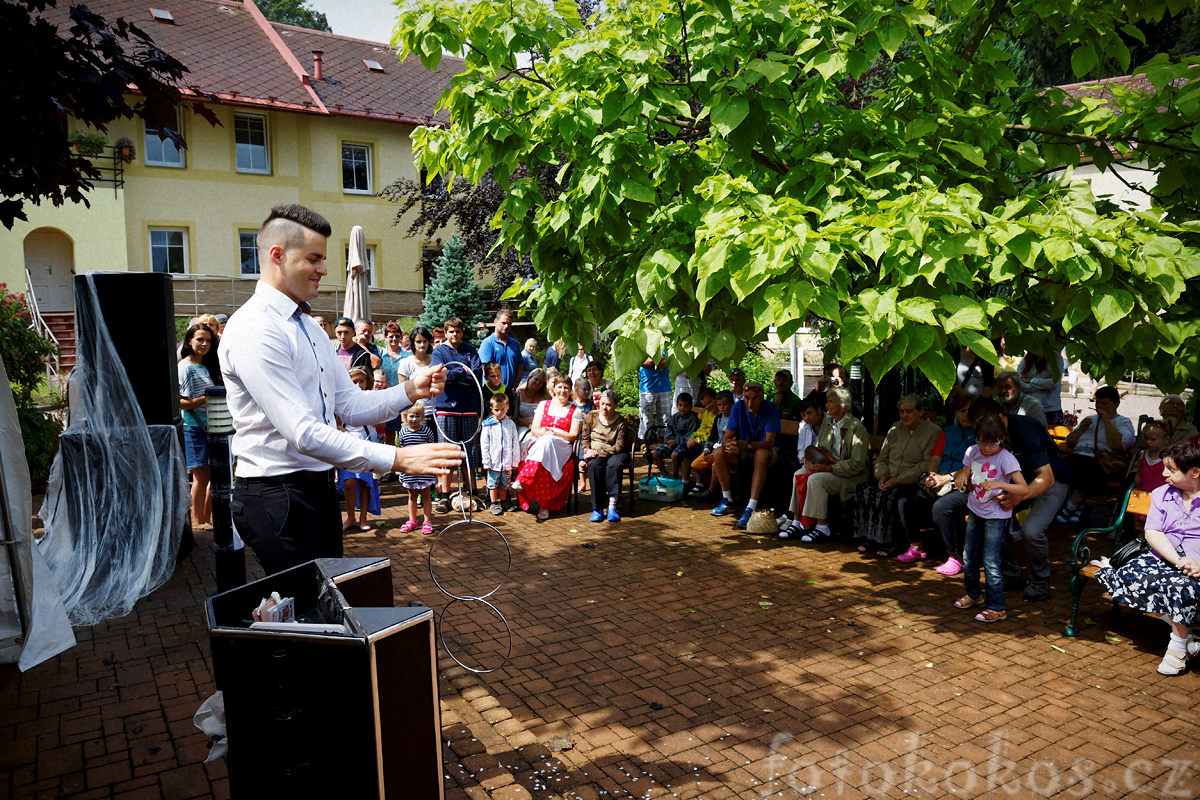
{"x": 1079, "y": 309}
{"x": 728, "y": 113}
{"x": 919, "y": 309}
{"x": 636, "y": 190}
{"x": 1083, "y": 60}
{"x": 968, "y": 151}
{"x": 722, "y": 345}
{"x": 980, "y": 344}
{"x": 1111, "y": 306}
{"x": 939, "y": 368}
{"x": 771, "y": 70}
{"x": 891, "y": 36}
{"x": 628, "y": 355}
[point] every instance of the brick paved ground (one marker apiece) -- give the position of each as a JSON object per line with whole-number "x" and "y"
{"x": 681, "y": 659}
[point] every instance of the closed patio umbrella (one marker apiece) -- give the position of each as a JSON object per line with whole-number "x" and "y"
{"x": 358, "y": 296}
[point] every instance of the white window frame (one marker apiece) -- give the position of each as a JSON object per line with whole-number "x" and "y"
{"x": 150, "y": 140}
{"x": 183, "y": 233}
{"x": 266, "y": 145}
{"x": 366, "y": 148}
{"x": 241, "y": 250}
{"x": 372, "y": 277}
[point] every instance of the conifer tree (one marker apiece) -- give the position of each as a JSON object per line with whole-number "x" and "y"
{"x": 453, "y": 292}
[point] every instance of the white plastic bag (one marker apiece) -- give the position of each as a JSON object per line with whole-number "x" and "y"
{"x": 210, "y": 719}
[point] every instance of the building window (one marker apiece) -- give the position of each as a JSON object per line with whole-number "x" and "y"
{"x": 250, "y": 143}
{"x": 248, "y": 252}
{"x": 162, "y": 152}
{"x": 356, "y": 169}
{"x": 370, "y": 265}
{"x": 168, "y": 250}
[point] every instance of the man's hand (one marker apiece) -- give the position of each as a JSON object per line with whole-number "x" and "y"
{"x": 426, "y": 382}
{"x": 427, "y": 459}
{"x": 1013, "y": 497}
{"x": 730, "y": 448}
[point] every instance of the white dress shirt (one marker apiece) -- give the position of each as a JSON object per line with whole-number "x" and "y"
{"x": 285, "y": 385}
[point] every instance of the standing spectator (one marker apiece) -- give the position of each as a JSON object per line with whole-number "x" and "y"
{"x": 390, "y": 360}
{"x": 554, "y": 354}
{"x": 1173, "y": 410}
{"x": 970, "y": 375}
{"x": 685, "y": 383}
{"x": 504, "y": 350}
{"x": 419, "y": 486}
{"x": 457, "y": 408}
{"x": 654, "y": 399}
{"x": 528, "y": 358}
{"x": 595, "y": 376}
{"x": 194, "y": 378}
{"x": 607, "y": 440}
{"x": 1041, "y": 378}
{"x": 737, "y": 382}
{"x": 501, "y": 450}
{"x": 529, "y": 395}
{"x": 351, "y": 353}
{"x": 988, "y": 472}
{"x": 1105, "y": 433}
{"x": 360, "y": 489}
{"x": 326, "y": 326}
{"x": 579, "y": 363}
{"x": 364, "y": 334}
{"x": 1046, "y": 480}
{"x": 422, "y": 348}
{"x": 1008, "y": 392}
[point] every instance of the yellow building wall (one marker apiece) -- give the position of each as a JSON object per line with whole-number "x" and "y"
{"x": 97, "y": 234}
{"x": 212, "y": 201}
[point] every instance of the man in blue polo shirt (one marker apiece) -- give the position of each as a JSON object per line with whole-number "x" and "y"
{"x": 749, "y": 440}
{"x": 501, "y": 348}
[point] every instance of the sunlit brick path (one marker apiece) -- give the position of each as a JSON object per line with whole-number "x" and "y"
{"x": 667, "y": 655}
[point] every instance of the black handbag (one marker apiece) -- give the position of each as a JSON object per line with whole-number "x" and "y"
{"x": 1128, "y": 552}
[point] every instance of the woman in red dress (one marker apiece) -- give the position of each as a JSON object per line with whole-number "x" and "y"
{"x": 545, "y": 476}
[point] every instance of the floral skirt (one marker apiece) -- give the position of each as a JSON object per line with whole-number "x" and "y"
{"x": 1150, "y": 584}
{"x": 874, "y": 514}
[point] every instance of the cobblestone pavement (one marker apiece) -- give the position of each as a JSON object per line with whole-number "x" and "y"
{"x": 668, "y": 655}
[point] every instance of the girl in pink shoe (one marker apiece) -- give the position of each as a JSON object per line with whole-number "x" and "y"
{"x": 415, "y": 431}
{"x": 990, "y": 470}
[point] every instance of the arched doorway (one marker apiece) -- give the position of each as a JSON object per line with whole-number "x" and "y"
{"x": 50, "y": 259}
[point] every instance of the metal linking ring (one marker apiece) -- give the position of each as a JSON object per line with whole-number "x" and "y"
{"x": 466, "y": 502}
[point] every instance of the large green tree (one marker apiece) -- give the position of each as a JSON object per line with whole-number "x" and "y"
{"x": 294, "y": 12}
{"x": 718, "y": 171}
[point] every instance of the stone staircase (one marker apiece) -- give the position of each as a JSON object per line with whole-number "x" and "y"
{"x": 62, "y": 325}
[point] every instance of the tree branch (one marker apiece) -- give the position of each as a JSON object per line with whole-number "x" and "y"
{"x": 984, "y": 27}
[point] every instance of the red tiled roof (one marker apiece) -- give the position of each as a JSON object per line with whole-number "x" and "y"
{"x": 1102, "y": 88}
{"x": 229, "y": 54}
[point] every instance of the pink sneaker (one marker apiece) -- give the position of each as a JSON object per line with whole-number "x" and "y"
{"x": 426, "y": 528}
{"x": 952, "y": 567}
{"x": 410, "y": 525}
{"x": 913, "y": 553}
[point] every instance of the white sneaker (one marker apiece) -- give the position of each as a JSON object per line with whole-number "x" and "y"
{"x": 1173, "y": 663}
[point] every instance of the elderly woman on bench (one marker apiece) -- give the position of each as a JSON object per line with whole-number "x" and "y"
{"x": 1166, "y": 580}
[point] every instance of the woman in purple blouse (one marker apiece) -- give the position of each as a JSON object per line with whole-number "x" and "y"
{"x": 1166, "y": 581}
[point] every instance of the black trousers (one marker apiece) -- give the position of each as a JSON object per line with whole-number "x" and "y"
{"x": 288, "y": 519}
{"x": 604, "y": 475}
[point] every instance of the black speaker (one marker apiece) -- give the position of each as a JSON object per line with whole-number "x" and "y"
{"x": 139, "y": 310}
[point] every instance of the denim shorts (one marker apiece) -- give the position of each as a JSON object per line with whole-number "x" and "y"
{"x": 195, "y": 446}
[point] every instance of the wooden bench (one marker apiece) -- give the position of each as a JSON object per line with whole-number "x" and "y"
{"x": 1089, "y": 539}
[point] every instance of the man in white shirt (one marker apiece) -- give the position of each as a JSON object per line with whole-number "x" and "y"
{"x": 286, "y": 387}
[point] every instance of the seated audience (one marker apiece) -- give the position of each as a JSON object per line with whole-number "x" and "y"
{"x": 1149, "y": 458}
{"x": 938, "y": 502}
{"x": 595, "y": 376}
{"x": 846, "y": 439}
{"x": 607, "y": 444}
{"x": 1172, "y": 410}
{"x": 1166, "y": 581}
{"x": 792, "y": 523}
{"x": 581, "y": 394}
{"x": 543, "y": 479}
{"x": 750, "y": 439}
{"x": 1099, "y": 450}
{"x": 706, "y": 410}
{"x": 529, "y": 395}
{"x": 913, "y": 446}
{"x": 702, "y": 463}
{"x": 680, "y": 427}
{"x": 1008, "y": 392}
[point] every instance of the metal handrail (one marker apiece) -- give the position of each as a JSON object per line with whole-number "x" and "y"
{"x": 39, "y": 326}
{"x": 239, "y": 295}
